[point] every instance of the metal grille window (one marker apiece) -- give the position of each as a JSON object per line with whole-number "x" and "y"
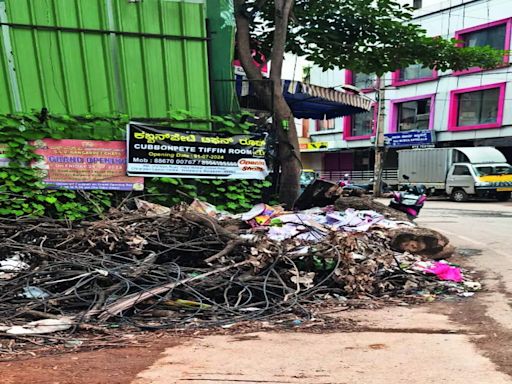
{"x": 324, "y": 125}
{"x": 414, "y": 115}
{"x": 476, "y": 108}
{"x": 415, "y": 71}
{"x": 364, "y": 80}
{"x": 362, "y": 124}
{"x": 417, "y": 4}
{"x": 493, "y": 37}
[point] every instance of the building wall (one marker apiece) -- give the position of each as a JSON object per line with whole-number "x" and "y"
{"x": 104, "y": 56}
{"x": 441, "y": 18}
{"x": 446, "y": 23}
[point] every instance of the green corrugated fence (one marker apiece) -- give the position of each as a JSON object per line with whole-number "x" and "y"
{"x": 104, "y": 56}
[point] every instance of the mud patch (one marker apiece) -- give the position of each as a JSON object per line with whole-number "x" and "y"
{"x": 493, "y": 340}
{"x": 112, "y": 366}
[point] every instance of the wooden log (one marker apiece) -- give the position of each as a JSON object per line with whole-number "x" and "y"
{"x": 421, "y": 241}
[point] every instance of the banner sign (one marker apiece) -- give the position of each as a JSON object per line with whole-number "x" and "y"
{"x": 160, "y": 152}
{"x": 85, "y": 164}
{"x": 408, "y": 139}
{"x": 314, "y": 146}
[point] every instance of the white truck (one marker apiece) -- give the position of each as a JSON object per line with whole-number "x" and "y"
{"x": 457, "y": 172}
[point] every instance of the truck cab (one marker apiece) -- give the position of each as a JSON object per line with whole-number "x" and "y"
{"x": 493, "y": 181}
{"x": 459, "y": 172}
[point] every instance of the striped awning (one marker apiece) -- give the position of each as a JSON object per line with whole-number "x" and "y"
{"x": 331, "y": 94}
{"x": 314, "y": 102}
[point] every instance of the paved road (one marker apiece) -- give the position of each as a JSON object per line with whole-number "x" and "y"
{"x": 482, "y": 231}
{"x": 428, "y": 344}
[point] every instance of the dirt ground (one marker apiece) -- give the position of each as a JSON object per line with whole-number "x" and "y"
{"x": 110, "y": 365}
{"x": 436, "y": 327}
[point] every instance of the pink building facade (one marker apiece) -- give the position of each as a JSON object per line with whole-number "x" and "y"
{"x": 466, "y": 108}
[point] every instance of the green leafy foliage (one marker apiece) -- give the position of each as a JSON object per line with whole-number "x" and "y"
{"x": 231, "y": 195}
{"x": 22, "y": 192}
{"x": 370, "y": 36}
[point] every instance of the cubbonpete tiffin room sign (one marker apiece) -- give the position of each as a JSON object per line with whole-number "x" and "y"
{"x": 155, "y": 151}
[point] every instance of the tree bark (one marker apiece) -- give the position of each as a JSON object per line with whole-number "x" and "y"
{"x": 379, "y": 143}
{"x": 289, "y": 158}
{"x": 289, "y": 155}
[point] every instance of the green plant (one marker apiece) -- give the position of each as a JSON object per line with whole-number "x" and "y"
{"x": 23, "y": 193}
{"x": 229, "y": 195}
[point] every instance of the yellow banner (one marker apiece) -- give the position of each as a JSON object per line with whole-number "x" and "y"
{"x": 315, "y": 146}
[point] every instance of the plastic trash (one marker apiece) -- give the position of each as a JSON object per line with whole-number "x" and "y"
{"x": 445, "y": 272}
{"x": 34, "y": 293}
{"x": 42, "y": 326}
{"x": 13, "y": 264}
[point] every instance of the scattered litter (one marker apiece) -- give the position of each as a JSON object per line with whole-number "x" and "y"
{"x": 151, "y": 208}
{"x": 204, "y": 208}
{"x": 41, "y": 327}
{"x": 73, "y": 343}
{"x": 304, "y": 278}
{"x": 445, "y": 272}
{"x": 192, "y": 266}
{"x": 472, "y": 285}
{"x": 34, "y": 293}
{"x": 10, "y": 266}
{"x": 13, "y": 264}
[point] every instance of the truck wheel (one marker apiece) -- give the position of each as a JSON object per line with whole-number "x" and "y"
{"x": 503, "y": 196}
{"x": 459, "y": 195}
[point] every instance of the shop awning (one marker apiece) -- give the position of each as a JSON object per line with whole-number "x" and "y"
{"x": 314, "y": 102}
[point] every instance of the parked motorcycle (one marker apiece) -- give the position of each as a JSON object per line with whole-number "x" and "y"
{"x": 368, "y": 187}
{"x": 345, "y": 181}
{"x": 409, "y": 199}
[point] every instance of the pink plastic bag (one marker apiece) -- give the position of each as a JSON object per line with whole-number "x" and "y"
{"x": 445, "y": 272}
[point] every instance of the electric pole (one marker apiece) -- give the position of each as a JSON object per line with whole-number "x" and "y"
{"x": 379, "y": 142}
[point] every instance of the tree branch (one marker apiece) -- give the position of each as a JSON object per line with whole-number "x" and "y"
{"x": 260, "y": 4}
{"x": 281, "y": 19}
{"x": 243, "y": 41}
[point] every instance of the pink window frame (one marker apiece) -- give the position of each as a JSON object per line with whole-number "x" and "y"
{"x": 508, "y": 34}
{"x": 396, "y": 82}
{"x": 454, "y": 108}
{"x": 393, "y": 120}
{"x": 347, "y": 126}
{"x": 349, "y": 79}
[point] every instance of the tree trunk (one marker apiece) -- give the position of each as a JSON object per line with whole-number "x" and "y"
{"x": 379, "y": 143}
{"x": 289, "y": 155}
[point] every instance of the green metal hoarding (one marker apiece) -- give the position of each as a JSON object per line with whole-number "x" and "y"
{"x": 222, "y": 31}
{"x": 141, "y": 58}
